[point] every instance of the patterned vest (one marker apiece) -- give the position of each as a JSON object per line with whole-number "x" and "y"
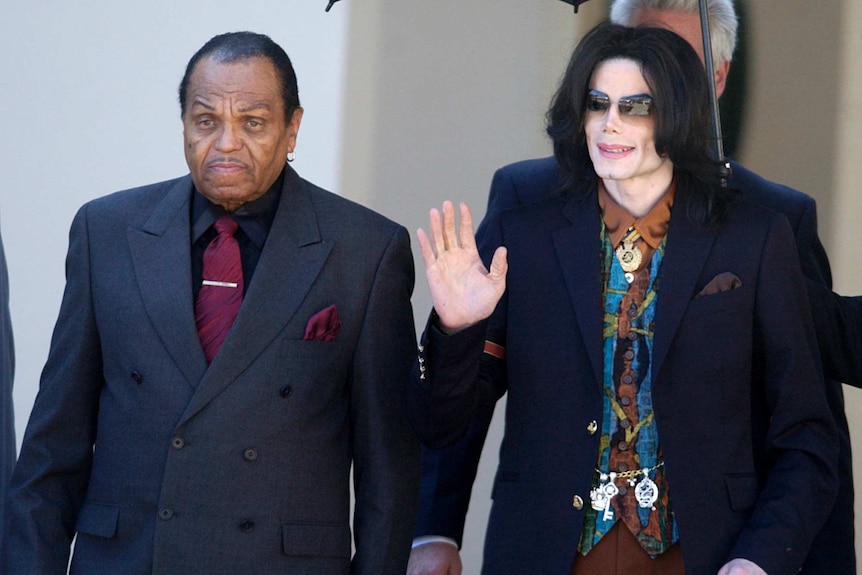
{"x": 629, "y": 482}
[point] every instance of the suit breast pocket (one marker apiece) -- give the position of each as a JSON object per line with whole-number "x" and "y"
{"x": 731, "y": 301}
{"x": 715, "y": 337}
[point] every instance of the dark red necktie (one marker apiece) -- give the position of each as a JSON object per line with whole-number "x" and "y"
{"x": 221, "y": 293}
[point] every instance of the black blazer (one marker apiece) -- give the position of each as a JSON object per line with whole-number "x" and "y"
{"x": 739, "y": 402}
{"x": 163, "y": 465}
{"x": 837, "y": 323}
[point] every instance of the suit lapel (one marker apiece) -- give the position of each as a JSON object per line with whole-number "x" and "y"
{"x": 686, "y": 251}
{"x": 578, "y": 250}
{"x": 291, "y": 260}
{"x": 161, "y": 255}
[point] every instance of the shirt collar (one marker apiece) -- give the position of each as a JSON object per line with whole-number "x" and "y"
{"x": 254, "y": 217}
{"x": 652, "y": 227}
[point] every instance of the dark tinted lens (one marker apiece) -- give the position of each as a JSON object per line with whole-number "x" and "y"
{"x": 597, "y": 102}
{"x": 636, "y": 105}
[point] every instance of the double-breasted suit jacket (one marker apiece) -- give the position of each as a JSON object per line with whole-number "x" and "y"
{"x": 748, "y": 442}
{"x": 162, "y": 464}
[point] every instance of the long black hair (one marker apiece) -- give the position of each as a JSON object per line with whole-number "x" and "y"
{"x": 680, "y": 93}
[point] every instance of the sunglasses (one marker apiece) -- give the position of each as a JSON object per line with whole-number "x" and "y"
{"x": 639, "y": 105}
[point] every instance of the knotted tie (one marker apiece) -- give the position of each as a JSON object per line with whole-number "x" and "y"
{"x": 221, "y": 293}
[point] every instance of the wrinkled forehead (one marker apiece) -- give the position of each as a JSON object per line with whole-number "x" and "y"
{"x": 251, "y": 81}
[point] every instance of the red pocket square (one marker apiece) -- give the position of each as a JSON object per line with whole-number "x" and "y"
{"x": 324, "y": 325}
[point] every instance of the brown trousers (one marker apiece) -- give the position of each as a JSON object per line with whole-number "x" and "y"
{"x": 619, "y": 553}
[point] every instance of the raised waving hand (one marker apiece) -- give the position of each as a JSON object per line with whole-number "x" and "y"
{"x": 463, "y": 291}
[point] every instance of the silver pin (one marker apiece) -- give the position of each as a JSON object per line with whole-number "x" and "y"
{"x": 219, "y": 284}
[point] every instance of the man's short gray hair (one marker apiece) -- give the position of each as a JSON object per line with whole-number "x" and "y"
{"x": 722, "y": 20}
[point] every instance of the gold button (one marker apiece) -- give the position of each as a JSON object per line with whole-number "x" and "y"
{"x": 577, "y": 502}
{"x": 592, "y": 427}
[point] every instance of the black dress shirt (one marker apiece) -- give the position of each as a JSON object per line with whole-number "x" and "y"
{"x": 254, "y": 219}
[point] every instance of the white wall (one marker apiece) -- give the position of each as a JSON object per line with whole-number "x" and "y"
{"x": 88, "y": 90}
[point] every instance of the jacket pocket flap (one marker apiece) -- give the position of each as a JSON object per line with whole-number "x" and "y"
{"x": 308, "y": 539}
{"x": 98, "y": 519}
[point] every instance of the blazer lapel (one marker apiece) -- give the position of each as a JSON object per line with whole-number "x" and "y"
{"x": 578, "y": 249}
{"x": 686, "y": 251}
{"x": 161, "y": 255}
{"x": 291, "y": 260}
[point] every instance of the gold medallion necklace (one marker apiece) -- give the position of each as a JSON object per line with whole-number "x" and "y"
{"x": 629, "y": 255}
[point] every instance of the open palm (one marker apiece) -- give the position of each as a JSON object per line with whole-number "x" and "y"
{"x": 463, "y": 291}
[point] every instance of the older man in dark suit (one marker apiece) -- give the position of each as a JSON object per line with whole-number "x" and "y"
{"x": 229, "y": 344}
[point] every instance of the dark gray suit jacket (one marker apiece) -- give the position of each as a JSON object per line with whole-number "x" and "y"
{"x": 7, "y": 373}
{"x": 164, "y": 465}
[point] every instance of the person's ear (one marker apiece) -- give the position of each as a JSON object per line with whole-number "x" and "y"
{"x": 721, "y": 77}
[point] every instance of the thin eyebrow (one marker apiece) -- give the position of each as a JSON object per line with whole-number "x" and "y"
{"x": 600, "y": 94}
{"x": 641, "y": 95}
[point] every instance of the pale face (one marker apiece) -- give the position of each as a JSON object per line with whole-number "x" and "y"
{"x": 622, "y": 147}
{"x": 234, "y": 130}
{"x": 686, "y": 25}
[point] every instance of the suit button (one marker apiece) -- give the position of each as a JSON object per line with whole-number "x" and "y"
{"x": 250, "y": 454}
{"x": 592, "y": 427}
{"x": 246, "y": 526}
{"x": 166, "y": 513}
{"x": 285, "y": 391}
{"x": 137, "y": 377}
{"x": 178, "y": 442}
{"x": 577, "y": 502}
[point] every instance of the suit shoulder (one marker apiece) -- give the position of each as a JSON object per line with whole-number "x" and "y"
{"x": 752, "y": 219}
{"x": 537, "y": 172}
{"x": 136, "y": 198}
{"x": 758, "y": 190}
{"x": 339, "y": 213}
{"x": 531, "y": 167}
